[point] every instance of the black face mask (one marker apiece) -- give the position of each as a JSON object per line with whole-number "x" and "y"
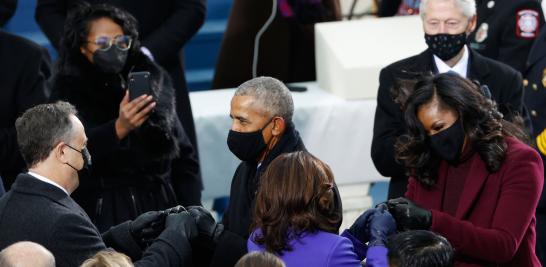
{"x": 247, "y": 146}
{"x": 86, "y": 160}
{"x": 448, "y": 143}
{"x": 111, "y": 60}
{"x": 446, "y": 46}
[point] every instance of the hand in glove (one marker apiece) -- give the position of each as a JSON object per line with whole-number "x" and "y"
{"x": 209, "y": 229}
{"x": 408, "y": 215}
{"x": 381, "y": 226}
{"x": 147, "y": 227}
{"x": 360, "y": 228}
{"x": 182, "y": 223}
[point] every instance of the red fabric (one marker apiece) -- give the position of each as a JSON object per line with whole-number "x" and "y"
{"x": 455, "y": 181}
{"x": 495, "y": 218}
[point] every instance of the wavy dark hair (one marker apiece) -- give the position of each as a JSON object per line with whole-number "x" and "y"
{"x": 483, "y": 124}
{"x": 296, "y": 196}
{"x": 76, "y": 30}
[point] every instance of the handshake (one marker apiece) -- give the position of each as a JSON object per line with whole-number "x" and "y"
{"x": 195, "y": 223}
{"x": 376, "y": 225}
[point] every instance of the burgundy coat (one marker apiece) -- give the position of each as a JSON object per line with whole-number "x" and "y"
{"x": 495, "y": 218}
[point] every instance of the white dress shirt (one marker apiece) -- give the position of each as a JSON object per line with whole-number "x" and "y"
{"x": 47, "y": 180}
{"x": 460, "y": 68}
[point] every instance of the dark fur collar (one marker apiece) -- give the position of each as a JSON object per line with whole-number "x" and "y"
{"x": 97, "y": 97}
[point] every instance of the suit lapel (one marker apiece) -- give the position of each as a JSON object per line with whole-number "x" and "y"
{"x": 478, "y": 69}
{"x": 473, "y": 186}
{"x": 423, "y": 63}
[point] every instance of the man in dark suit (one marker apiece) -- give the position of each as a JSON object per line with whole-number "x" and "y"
{"x": 39, "y": 208}
{"x": 262, "y": 129}
{"x": 164, "y": 27}
{"x": 535, "y": 100}
{"x": 506, "y": 29}
{"x": 446, "y": 25}
{"x": 24, "y": 71}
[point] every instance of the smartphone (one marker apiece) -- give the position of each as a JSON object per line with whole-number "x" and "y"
{"x": 139, "y": 84}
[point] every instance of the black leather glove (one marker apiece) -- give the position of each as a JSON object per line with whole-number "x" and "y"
{"x": 381, "y": 226}
{"x": 147, "y": 227}
{"x": 209, "y": 229}
{"x": 182, "y": 223}
{"x": 408, "y": 215}
{"x": 360, "y": 228}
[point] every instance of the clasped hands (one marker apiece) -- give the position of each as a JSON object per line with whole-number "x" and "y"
{"x": 196, "y": 223}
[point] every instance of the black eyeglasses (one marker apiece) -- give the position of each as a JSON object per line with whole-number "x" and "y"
{"x": 122, "y": 42}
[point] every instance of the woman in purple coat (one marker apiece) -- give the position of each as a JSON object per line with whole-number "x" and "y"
{"x": 295, "y": 218}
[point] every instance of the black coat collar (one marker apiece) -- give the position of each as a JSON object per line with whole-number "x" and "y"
{"x": 27, "y": 184}
{"x": 477, "y": 67}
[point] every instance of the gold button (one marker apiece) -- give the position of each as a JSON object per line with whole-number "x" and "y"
{"x": 533, "y": 113}
{"x": 535, "y": 87}
{"x": 525, "y": 82}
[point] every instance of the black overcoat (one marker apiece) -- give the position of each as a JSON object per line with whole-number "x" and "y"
{"x": 153, "y": 168}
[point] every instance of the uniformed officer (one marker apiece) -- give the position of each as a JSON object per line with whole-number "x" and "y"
{"x": 506, "y": 30}
{"x": 535, "y": 99}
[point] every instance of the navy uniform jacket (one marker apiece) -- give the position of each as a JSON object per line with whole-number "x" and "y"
{"x": 535, "y": 91}
{"x": 535, "y": 100}
{"x": 503, "y": 81}
{"x": 506, "y": 30}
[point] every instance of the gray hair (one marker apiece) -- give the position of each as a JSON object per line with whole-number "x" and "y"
{"x": 41, "y": 128}
{"x": 468, "y": 7}
{"x": 271, "y": 95}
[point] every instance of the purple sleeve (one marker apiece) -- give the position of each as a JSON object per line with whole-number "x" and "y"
{"x": 377, "y": 257}
{"x": 250, "y": 245}
{"x": 359, "y": 247}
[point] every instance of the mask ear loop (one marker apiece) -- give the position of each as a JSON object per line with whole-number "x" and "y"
{"x": 267, "y": 144}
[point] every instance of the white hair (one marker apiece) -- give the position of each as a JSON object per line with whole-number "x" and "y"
{"x": 271, "y": 95}
{"x": 468, "y": 7}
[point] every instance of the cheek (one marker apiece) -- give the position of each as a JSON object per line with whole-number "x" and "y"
{"x": 88, "y": 54}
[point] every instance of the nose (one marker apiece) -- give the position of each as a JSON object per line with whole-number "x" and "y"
{"x": 235, "y": 126}
{"x": 442, "y": 29}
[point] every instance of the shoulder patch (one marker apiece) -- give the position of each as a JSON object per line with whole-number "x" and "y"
{"x": 527, "y": 23}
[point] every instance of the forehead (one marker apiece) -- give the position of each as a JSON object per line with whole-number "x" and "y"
{"x": 246, "y": 104}
{"x": 78, "y": 129}
{"x": 442, "y": 9}
{"x": 104, "y": 26}
{"x": 433, "y": 111}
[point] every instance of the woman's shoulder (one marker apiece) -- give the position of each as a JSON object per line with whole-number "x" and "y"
{"x": 518, "y": 149}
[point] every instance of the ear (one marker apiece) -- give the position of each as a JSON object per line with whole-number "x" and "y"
{"x": 279, "y": 125}
{"x": 59, "y": 151}
{"x": 472, "y": 24}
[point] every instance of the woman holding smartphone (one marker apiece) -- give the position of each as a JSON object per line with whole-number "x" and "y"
{"x": 142, "y": 158}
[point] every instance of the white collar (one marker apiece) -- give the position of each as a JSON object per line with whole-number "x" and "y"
{"x": 47, "y": 180}
{"x": 460, "y": 68}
